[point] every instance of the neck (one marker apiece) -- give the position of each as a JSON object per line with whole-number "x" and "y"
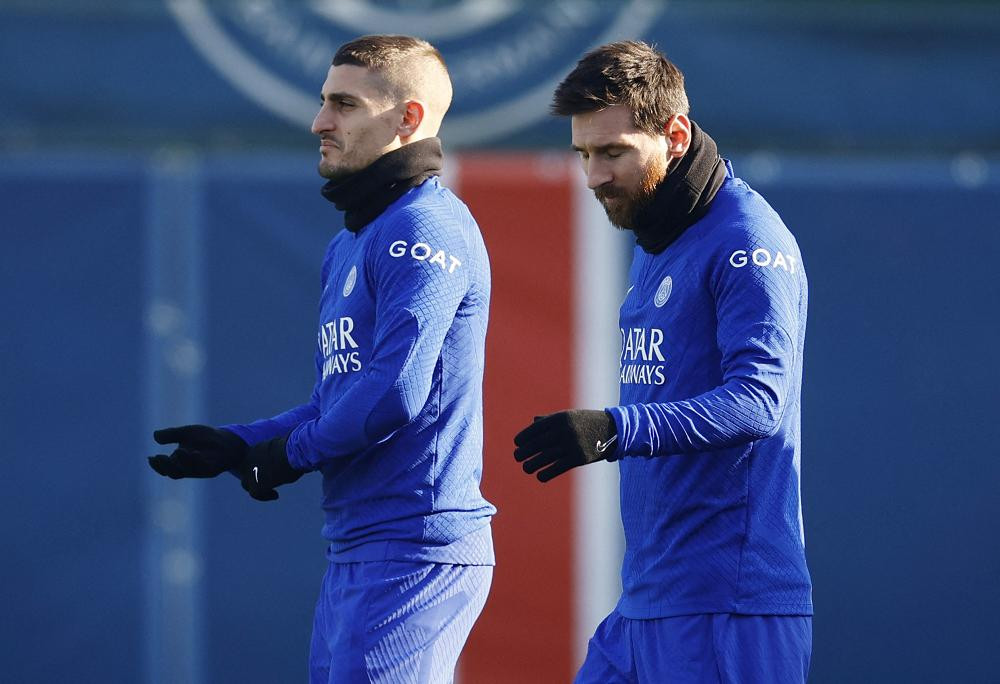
{"x": 683, "y": 196}
{"x": 364, "y": 195}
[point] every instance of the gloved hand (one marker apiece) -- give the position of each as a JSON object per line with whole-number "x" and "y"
{"x": 266, "y": 467}
{"x": 202, "y": 451}
{"x": 565, "y": 440}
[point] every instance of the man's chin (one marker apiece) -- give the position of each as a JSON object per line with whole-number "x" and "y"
{"x": 333, "y": 173}
{"x": 622, "y": 220}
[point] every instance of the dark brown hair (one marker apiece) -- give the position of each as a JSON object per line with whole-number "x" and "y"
{"x": 630, "y": 73}
{"x": 382, "y": 52}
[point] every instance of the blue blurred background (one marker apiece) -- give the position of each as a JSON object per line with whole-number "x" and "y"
{"x": 160, "y": 238}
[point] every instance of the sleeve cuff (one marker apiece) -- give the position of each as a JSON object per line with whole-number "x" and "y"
{"x": 617, "y": 415}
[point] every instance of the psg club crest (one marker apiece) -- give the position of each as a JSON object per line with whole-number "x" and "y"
{"x": 352, "y": 278}
{"x": 663, "y": 292}
{"x": 505, "y": 56}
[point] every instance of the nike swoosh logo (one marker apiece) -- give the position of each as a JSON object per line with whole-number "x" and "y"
{"x": 603, "y": 446}
{"x": 256, "y": 479}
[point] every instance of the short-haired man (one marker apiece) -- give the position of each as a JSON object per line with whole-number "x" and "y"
{"x": 395, "y": 419}
{"x": 715, "y": 585}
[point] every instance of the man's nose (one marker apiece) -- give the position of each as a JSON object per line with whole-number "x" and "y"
{"x": 597, "y": 175}
{"x": 322, "y": 122}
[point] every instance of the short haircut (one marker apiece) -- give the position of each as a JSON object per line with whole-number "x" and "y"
{"x": 630, "y": 73}
{"x": 379, "y": 52}
{"x": 393, "y": 57}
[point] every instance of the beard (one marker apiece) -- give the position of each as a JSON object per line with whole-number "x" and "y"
{"x": 345, "y": 165}
{"x": 623, "y": 206}
{"x": 335, "y": 171}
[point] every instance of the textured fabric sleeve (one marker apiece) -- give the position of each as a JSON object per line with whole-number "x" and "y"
{"x": 416, "y": 266}
{"x": 757, "y": 310}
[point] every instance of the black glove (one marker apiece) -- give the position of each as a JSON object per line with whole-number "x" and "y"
{"x": 565, "y": 440}
{"x": 266, "y": 467}
{"x": 202, "y": 451}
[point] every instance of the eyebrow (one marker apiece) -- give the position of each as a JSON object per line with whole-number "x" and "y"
{"x": 602, "y": 148}
{"x": 340, "y": 96}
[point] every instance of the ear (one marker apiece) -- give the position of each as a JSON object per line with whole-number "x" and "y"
{"x": 678, "y": 133}
{"x": 413, "y": 116}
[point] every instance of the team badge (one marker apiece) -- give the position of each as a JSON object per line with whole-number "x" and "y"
{"x": 663, "y": 293}
{"x": 352, "y": 278}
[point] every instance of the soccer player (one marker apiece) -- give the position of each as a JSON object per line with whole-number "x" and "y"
{"x": 394, "y": 422}
{"x": 706, "y": 435}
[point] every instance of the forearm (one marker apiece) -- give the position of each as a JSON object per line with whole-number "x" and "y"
{"x": 277, "y": 426}
{"x": 373, "y": 409}
{"x": 738, "y": 412}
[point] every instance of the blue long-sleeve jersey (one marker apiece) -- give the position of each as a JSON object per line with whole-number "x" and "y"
{"x": 708, "y": 427}
{"x": 395, "y": 420}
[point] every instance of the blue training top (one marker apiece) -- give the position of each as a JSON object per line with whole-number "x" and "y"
{"x": 708, "y": 427}
{"x": 395, "y": 422}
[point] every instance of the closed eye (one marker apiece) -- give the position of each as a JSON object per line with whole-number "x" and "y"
{"x": 606, "y": 151}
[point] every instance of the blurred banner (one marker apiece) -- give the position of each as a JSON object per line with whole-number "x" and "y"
{"x": 852, "y": 75}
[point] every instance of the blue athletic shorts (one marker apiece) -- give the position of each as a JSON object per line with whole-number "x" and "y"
{"x": 737, "y": 649}
{"x": 393, "y": 621}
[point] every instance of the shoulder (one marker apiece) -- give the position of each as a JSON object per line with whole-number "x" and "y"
{"x": 428, "y": 221}
{"x": 742, "y": 222}
{"x": 744, "y": 236}
{"x": 425, "y": 212}
{"x": 422, "y": 233}
{"x": 741, "y": 210}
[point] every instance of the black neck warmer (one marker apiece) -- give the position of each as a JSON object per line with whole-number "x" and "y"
{"x": 684, "y": 195}
{"x": 364, "y": 195}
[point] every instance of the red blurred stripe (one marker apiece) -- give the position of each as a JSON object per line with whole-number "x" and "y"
{"x": 524, "y": 207}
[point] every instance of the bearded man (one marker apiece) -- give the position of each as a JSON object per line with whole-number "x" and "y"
{"x": 706, "y": 433}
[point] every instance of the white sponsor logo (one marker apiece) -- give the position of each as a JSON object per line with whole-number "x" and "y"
{"x": 339, "y": 348}
{"x": 763, "y": 258}
{"x": 663, "y": 293}
{"x": 352, "y": 278}
{"x": 642, "y": 361}
{"x": 421, "y": 251}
